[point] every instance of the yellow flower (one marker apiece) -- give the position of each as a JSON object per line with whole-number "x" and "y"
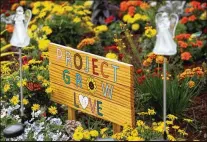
{"x": 25, "y": 101}
{"x": 25, "y": 67}
{"x": 52, "y": 110}
{"x": 137, "y": 139}
{"x": 6, "y": 87}
{"x": 137, "y": 16}
{"x": 33, "y": 27}
{"x": 79, "y": 129}
{"x": 76, "y": 20}
{"x": 131, "y": 20}
{"x": 87, "y": 4}
{"x": 47, "y": 30}
{"x": 169, "y": 122}
{"x": 68, "y": 8}
{"x": 45, "y": 83}
{"x": 134, "y": 133}
{"x": 182, "y": 132}
{"x": 149, "y": 60}
{"x": 39, "y": 77}
{"x": 135, "y": 27}
{"x": 77, "y": 136}
{"x": 35, "y": 11}
{"x": 191, "y": 84}
{"x": 175, "y": 127}
{"x": 126, "y": 17}
{"x": 159, "y": 59}
{"x": 86, "y": 135}
{"x": 151, "y": 112}
{"x": 33, "y": 61}
{"x": 100, "y": 29}
{"x": 171, "y": 117}
{"x": 48, "y": 90}
{"x": 94, "y": 133}
{"x": 43, "y": 44}
{"x": 171, "y": 138}
{"x": 149, "y": 32}
{"x": 35, "y": 107}
{"x": 203, "y": 16}
{"x": 188, "y": 120}
{"x": 14, "y": 100}
{"x": 112, "y": 56}
{"x": 140, "y": 123}
{"x": 24, "y": 82}
{"x": 103, "y": 131}
{"x": 144, "y": 18}
{"x": 42, "y": 14}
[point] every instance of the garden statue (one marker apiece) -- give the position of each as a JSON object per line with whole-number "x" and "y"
{"x": 165, "y": 45}
{"x": 20, "y": 38}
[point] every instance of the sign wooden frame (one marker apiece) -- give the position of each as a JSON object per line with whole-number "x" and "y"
{"x": 93, "y": 84}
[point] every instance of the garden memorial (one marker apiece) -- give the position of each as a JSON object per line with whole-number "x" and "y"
{"x": 103, "y": 70}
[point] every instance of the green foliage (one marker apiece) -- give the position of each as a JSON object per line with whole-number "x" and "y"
{"x": 178, "y": 94}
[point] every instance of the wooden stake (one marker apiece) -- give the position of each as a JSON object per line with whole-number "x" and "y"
{"x": 71, "y": 113}
{"x": 116, "y": 128}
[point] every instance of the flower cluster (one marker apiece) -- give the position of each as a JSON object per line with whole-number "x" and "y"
{"x": 197, "y": 71}
{"x": 81, "y": 134}
{"x": 85, "y": 42}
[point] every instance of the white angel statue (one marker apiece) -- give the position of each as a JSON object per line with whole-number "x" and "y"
{"x": 20, "y": 37}
{"x": 165, "y": 45}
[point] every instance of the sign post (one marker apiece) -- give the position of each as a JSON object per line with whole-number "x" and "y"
{"x": 92, "y": 84}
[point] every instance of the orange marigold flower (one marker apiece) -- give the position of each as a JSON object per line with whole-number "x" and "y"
{"x": 123, "y": 6}
{"x": 151, "y": 55}
{"x": 133, "y": 3}
{"x": 144, "y": 6}
{"x": 184, "y": 20}
{"x": 159, "y": 59}
{"x": 185, "y": 56}
{"x": 10, "y": 28}
{"x": 195, "y": 4}
{"x": 197, "y": 69}
{"x": 145, "y": 63}
{"x": 191, "y": 84}
{"x": 182, "y": 36}
{"x": 192, "y": 18}
{"x": 199, "y": 43}
{"x": 131, "y": 10}
{"x": 86, "y": 41}
{"x": 149, "y": 60}
{"x": 189, "y": 10}
{"x": 14, "y": 6}
{"x": 23, "y": 3}
{"x": 182, "y": 44}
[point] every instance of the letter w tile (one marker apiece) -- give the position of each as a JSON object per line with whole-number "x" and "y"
{"x": 107, "y": 90}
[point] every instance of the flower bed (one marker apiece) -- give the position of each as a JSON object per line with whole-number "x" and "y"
{"x": 124, "y": 31}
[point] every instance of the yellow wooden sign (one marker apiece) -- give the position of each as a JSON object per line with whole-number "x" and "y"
{"x": 92, "y": 84}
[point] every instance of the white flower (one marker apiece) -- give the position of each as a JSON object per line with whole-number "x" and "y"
{"x": 3, "y": 112}
{"x": 40, "y": 137}
{"x": 154, "y": 3}
{"x": 56, "y": 121}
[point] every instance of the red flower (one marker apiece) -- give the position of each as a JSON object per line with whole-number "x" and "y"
{"x": 24, "y": 60}
{"x": 139, "y": 71}
{"x": 7, "y": 14}
{"x": 182, "y": 44}
{"x": 196, "y": 4}
{"x": 111, "y": 48}
{"x": 109, "y": 19}
{"x": 185, "y": 56}
{"x": 192, "y": 18}
{"x": 184, "y": 20}
{"x": 189, "y": 10}
{"x": 199, "y": 43}
{"x": 131, "y": 10}
{"x": 123, "y": 6}
{"x": 140, "y": 80}
{"x": 121, "y": 56}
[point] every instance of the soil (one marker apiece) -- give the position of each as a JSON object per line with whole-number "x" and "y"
{"x": 198, "y": 112}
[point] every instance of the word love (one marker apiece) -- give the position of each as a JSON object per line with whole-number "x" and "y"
{"x": 85, "y": 102}
{"x": 87, "y": 65}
